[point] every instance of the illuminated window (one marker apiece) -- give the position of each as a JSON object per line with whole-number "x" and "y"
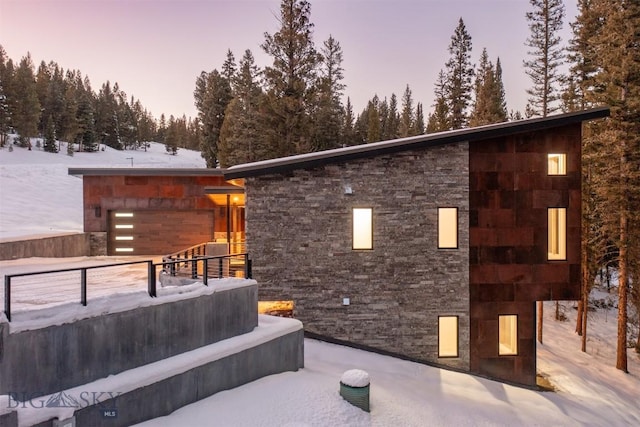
{"x": 447, "y": 336}
{"x": 557, "y": 164}
{"x": 447, "y": 228}
{"x": 124, "y": 237}
{"x": 124, "y": 215}
{"x": 557, "y": 229}
{"x": 124, "y": 249}
{"x": 508, "y": 335}
{"x": 124, "y": 226}
{"x": 362, "y": 228}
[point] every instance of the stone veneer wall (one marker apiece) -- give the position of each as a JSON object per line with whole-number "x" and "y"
{"x": 299, "y": 235}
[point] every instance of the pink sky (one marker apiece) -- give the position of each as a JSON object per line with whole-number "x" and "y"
{"x": 155, "y": 49}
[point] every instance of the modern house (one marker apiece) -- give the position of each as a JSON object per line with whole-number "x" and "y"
{"x": 435, "y": 247}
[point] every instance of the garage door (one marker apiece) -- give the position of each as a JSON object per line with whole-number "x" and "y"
{"x": 148, "y": 232}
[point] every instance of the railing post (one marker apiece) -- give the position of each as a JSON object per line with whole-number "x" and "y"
{"x": 219, "y": 268}
{"x": 246, "y": 266}
{"x": 205, "y": 271}
{"x": 249, "y": 264}
{"x": 194, "y": 268}
{"x": 151, "y": 278}
{"x": 7, "y": 297}
{"x": 83, "y": 286}
{"x": 172, "y": 267}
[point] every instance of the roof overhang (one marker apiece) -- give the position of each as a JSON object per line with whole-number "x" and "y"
{"x": 145, "y": 172}
{"x": 339, "y": 155}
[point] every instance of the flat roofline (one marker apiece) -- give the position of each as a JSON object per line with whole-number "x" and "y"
{"x": 338, "y": 155}
{"x": 145, "y": 172}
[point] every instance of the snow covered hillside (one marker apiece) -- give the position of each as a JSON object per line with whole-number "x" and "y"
{"x": 31, "y": 182}
{"x": 37, "y": 196}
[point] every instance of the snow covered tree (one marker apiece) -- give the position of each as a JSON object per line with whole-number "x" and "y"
{"x": 459, "y": 77}
{"x": 290, "y": 80}
{"x": 545, "y": 22}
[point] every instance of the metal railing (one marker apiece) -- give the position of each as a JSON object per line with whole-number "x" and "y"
{"x": 236, "y": 265}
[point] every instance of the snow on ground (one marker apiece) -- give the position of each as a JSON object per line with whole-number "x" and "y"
{"x": 39, "y": 197}
{"x": 31, "y": 182}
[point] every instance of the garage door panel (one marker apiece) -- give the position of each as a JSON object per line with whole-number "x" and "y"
{"x": 157, "y": 232}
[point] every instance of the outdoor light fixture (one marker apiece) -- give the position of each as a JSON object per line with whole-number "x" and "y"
{"x": 97, "y": 210}
{"x": 348, "y": 189}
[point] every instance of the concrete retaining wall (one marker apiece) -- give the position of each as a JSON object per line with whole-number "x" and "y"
{"x": 69, "y": 245}
{"x": 42, "y": 361}
{"x": 284, "y": 353}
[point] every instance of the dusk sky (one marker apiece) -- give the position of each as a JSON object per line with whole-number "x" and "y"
{"x": 155, "y": 49}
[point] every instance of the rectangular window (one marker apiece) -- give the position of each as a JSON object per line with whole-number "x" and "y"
{"x": 508, "y": 335}
{"x": 557, "y": 230}
{"x": 447, "y": 336}
{"x": 447, "y": 228}
{"x": 362, "y": 228}
{"x": 557, "y": 164}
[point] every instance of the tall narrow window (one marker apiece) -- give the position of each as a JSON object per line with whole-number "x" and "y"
{"x": 557, "y": 229}
{"x": 557, "y": 164}
{"x": 447, "y": 228}
{"x": 508, "y": 335}
{"x": 447, "y": 336}
{"x": 362, "y": 228}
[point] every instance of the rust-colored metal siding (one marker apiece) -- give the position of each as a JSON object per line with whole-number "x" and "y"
{"x": 159, "y": 232}
{"x": 510, "y": 192}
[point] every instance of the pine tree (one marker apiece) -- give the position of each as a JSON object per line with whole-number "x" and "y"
{"x": 228, "y": 70}
{"x": 418, "y": 124}
{"x": 373, "y": 120}
{"x": 50, "y": 136}
{"x": 171, "y": 139}
{"x": 489, "y": 106}
{"x": 545, "y": 22}
{"x": 212, "y": 95}
{"x": 393, "y": 120}
{"x": 617, "y": 84}
{"x": 106, "y": 116}
{"x": 290, "y": 80}
{"x": 86, "y": 125}
{"x": 459, "y": 77}
{"x": 438, "y": 121}
{"x": 27, "y": 107}
{"x": 328, "y": 112}
{"x": 406, "y": 118}
{"x": 5, "y": 113}
{"x": 574, "y": 98}
{"x": 348, "y": 131}
{"x": 240, "y": 138}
